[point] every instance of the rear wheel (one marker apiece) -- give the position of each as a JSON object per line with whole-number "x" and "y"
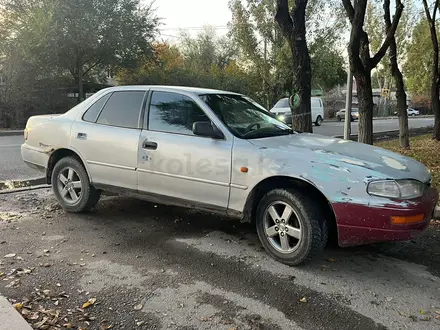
{"x": 319, "y": 121}
{"x": 290, "y": 227}
{"x": 71, "y": 186}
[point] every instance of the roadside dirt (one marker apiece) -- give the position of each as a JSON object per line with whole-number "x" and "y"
{"x": 137, "y": 265}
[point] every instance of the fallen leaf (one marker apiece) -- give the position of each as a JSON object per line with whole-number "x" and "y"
{"x": 58, "y": 284}
{"x": 437, "y": 312}
{"x": 389, "y": 299}
{"x": 422, "y": 312}
{"x": 89, "y": 302}
{"x": 10, "y": 255}
{"x": 18, "y": 306}
{"x": 204, "y": 318}
{"x": 303, "y": 299}
{"x": 140, "y": 323}
{"x": 38, "y": 325}
{"x": 46, "y": 292}
{"x": 138, "y": 307}
{"x": 105, "y": 327}
{"x": 68, "y": 325}
{"x": 331, "y": 260}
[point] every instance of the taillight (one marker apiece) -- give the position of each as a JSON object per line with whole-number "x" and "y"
{"x": 26, "y": 134}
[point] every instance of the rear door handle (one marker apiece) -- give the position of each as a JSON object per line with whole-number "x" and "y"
{"x": 81, "y": 136}
{"x": 149, "y": 145}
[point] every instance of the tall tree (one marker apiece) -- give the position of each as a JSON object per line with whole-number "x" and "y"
{"x": 398, "y": 77}
{"x": 361, "y": 62}
{"x": 293, "y": 24}
{"x": 263, "y": 48}
{"x": 418, "y": 63}
{"x": 435, "y": 77}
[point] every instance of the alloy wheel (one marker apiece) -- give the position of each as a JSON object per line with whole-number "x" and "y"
{"x": 282, "y": 226}
{"x": 69, "y": 185}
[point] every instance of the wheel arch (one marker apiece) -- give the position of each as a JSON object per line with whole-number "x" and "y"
{"x": 59, "y": 154}
{"x": 277, "y": 182}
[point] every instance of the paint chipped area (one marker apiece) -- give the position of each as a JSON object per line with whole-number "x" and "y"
{"x": 358, "y": 279}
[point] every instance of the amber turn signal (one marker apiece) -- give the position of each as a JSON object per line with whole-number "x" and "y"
{"x": 407, "y": 220}
{"x": 244, "y": 169}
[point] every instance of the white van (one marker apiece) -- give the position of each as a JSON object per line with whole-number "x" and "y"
{"x": 283, "y": 112}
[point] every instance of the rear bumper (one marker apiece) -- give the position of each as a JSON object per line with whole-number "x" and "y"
{"x": 363, "y": 224}
{"x": 34, "y": 158}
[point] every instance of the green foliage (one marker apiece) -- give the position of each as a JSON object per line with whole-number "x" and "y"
{"x": 201, "y": 61}
{"x": 418, "y": 65}
{"x": 262, "y": 46}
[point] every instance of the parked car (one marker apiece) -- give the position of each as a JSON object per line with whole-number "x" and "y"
{"x": 283, "y": 111}
{"x": 413, "y": 112}
{"x": 340, "y": 115}
{"x": 217, "y": 151}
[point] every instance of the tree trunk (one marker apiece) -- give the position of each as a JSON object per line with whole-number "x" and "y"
{"x": 294, "y": 29}
{"x": 365, "y": 99}
{"x": 81, "y": 96}
{"x": 400, "y": 97}
{"x": 302, "y": 80}
{"x": 400, "y": 85}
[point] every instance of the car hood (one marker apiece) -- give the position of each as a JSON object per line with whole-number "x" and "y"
{"x": 345, "y": 154}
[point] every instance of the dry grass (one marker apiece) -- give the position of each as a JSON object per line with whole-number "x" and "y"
{"x": 424, "y": 149}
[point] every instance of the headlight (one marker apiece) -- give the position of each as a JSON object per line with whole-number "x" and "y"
{"x": 400, "y": 189}
{"x": 281, "y": 118}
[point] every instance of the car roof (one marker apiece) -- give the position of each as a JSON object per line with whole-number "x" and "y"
{"x": 195, "y": 90}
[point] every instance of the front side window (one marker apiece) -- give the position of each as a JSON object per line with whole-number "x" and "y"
{"x": 243, "y": 118}
{"x": 174, "y": 113}
{"x": 93, "y": 112}
{"x": 122, "y": 109}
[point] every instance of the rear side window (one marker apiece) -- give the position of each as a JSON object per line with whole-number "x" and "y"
{"x": 122, "y": 109}
{"x": 92, "y": 114}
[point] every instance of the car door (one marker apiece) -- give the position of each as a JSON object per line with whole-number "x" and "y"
{"x": 173, "y": 162}
{"x": 107, "y": 138}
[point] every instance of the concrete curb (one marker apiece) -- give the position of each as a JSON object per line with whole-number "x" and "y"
{"x": 11, "y": 133}
{"x": 9, "y": 318}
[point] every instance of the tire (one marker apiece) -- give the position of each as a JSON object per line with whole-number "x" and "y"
{"x": 70, "y": 175}
{"x": 318, "y": 121}
{"x": 305, "y": 216}
{"x": 338, "y": 118}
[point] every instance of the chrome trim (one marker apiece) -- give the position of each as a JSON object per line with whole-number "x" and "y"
{"x": 111, "y": 165}
{"x": 185, "y": 177}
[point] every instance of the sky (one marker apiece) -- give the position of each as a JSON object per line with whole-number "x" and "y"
{"x": 192, "y": 14}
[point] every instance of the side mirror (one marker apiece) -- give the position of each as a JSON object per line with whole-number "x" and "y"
{"x": 207, "y": 129}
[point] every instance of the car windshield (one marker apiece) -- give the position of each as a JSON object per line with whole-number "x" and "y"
{"x": 283, "y": 103}
{"x": 243, "y": 118}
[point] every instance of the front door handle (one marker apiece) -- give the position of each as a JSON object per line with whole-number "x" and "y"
{"x": 149, "y": 145}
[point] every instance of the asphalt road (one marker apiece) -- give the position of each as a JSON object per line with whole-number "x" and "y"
{"x": 13, "y": 168}
{"x": 147, "y": 266}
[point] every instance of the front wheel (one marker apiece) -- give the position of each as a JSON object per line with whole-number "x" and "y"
{"x": 338, "y": 118}
{"x": 71, "y": 186}
{"x": 319, "y": 121}
{"x": 290, "y": 226}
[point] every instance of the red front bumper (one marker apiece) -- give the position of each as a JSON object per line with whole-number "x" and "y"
{"x": 362, "y": 224}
